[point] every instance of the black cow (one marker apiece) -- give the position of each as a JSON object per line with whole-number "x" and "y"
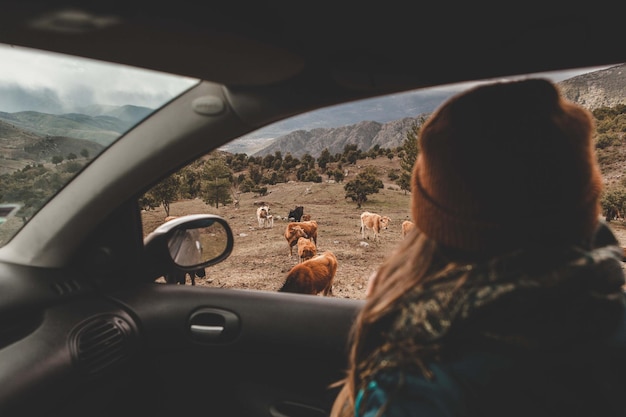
{"x": 296, "y": 214}
{"x": 179, "y": 277}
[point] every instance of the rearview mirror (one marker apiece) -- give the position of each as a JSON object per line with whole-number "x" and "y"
{"x": 188, "y": 243}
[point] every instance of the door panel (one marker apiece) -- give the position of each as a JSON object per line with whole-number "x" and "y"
{"x": 286, "y": 351}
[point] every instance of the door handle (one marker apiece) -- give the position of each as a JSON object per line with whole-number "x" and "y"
{"x": 213, "y": 325}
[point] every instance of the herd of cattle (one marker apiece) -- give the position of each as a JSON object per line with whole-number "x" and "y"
{"x": 313, "y": 273}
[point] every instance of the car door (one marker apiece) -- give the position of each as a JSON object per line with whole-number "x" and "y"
{"x": 95, "y": 338}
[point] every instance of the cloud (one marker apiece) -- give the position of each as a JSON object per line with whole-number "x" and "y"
{"x": 78, "y": 82}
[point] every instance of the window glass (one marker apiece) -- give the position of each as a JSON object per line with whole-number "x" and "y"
{"x": 57, "y": 114}
{"x": 332, "y": 165}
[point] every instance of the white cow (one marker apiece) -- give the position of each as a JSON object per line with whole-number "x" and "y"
{"x": 374, "y": 222}
{"x": 261, "y": 215}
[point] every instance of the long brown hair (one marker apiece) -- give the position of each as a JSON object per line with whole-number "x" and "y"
{"x": 411, "y": 265}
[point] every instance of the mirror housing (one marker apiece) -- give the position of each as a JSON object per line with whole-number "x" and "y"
{"x": 187, "y": 243}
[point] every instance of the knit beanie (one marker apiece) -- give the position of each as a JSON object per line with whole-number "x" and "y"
{"x": 504, "y": 166}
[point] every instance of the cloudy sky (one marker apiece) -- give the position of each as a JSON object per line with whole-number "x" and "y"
{"x": 57, "y": 84}
{"x": 77, "y": 82}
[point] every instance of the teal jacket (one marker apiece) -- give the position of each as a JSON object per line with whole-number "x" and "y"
{"x": 588, "y": 380}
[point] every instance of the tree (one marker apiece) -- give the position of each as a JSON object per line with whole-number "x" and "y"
{"x": 308, "y": 161}
{"x": 255, "y": 173}
{"x": 324, "y": 159}
{"x": 57, "y": 159}
{"x": 613, "y": 201}
{"x": 84, "y": 153}
{"x": 218, "y": 190}
{"x": 409, "y": 155}
{"x": 218, "y": 180}
{"x": 71, "y": 156}
{"x": 289, "y": 161}
{"x": 191, "y": 180}
{"x": 361, "y": 186}
{"x": 164, "y": 193}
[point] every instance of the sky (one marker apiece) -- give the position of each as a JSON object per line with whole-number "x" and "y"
{"x": 81, "y": 82}
{"x": 72, "y": 83}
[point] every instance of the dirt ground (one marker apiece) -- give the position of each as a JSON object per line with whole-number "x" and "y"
{"x": 260, "y": 259}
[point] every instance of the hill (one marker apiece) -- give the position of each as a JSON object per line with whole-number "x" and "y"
{"x": 19, "y": 147}
{"x": 365, "y": 135}
{"x": 604, "y": 88}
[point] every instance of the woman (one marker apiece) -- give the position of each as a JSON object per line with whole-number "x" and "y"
{"x": 506, "y": 299}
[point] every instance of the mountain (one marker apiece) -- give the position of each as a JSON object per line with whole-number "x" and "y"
{"x": 379, "y": 110}
{"x": 606, "y": 87}
{"x": 102, "y": 127}
{"x": 365, "y": 135}
{"x": 597, "y": 89}
{"x": 19, "y": 147}
{"x": 379, "y": 121}
{"x": 31, "y": 137}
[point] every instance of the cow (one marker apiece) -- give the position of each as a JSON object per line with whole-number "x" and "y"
{"x": 269, "y": 221}
{"x": 310, "y": 229}
{"x": 295, "y": 230}
{"x": 296, "y": 214}
{"x": 312, "y": 276}
{"x": 613, "y": 213}
{"x": 306, "y": 217}
{"x": 306, "y": 249}
{"x": 407, "y": 226}
{"x": 261, "y": 215}
{"x": 180, "y": 277}
{"x": 292, "y": 233}
{"x": 374, "y": 222}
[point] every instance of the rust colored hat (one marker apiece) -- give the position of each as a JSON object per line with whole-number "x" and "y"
{"x": 505, "y": 166}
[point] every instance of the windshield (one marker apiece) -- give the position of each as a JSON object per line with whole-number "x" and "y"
{"x": 57, "y": 114}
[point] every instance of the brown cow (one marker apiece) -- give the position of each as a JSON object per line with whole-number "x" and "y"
{"x": 310, "y": 228}
{"x": 306, "y": 249}
{"x": 310, "y": 232}
{"x": 375, "y": 222}
{"x": 312, "y": 276}
{"x": 407, "y": 226}
{"x": 306, "y": 217}
{"x": 293, "y": 232}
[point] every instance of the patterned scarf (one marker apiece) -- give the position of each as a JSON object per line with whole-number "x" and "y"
{"x": 533, "y": 300}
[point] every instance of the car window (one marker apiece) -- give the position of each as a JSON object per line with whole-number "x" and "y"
{"x": 57, "y": 114}
{"x": 334, "y": 164}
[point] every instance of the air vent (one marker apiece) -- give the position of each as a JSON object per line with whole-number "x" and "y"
{"x": 66, "y": 287}
{"x": 101, "y": 343}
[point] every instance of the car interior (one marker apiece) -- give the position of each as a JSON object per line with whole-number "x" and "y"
{"x": 84, "y": 329}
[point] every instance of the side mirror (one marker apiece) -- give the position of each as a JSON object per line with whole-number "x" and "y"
{"x": 188, "y": 243}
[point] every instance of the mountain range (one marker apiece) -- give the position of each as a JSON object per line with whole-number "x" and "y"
{"x": 383, "y": 121}
{"x": 606, "y": 87}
